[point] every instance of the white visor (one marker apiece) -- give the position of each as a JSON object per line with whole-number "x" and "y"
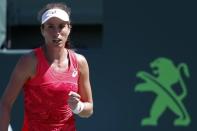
{"x": 58, "y": 13}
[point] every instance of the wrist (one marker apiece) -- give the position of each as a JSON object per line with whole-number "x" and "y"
{"x": 79, "y": 108}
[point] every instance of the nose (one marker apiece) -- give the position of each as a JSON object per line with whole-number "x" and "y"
{"x": 56, "y": 31}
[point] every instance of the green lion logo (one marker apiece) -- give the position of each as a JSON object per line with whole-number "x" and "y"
{"x": 165, "y": 75}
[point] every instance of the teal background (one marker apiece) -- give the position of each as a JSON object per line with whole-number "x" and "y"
{"x": 134, "y": 34}
{"x": 2, "y": 21}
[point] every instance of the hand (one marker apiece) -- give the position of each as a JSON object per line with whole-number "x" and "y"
{"x": 73, "y": 99}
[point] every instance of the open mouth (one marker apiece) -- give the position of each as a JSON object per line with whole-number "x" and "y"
{"x": 155, "y": 69}
{"x": 56, "y": 40}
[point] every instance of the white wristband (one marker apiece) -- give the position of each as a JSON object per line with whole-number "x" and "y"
{"x": 79, "y": 108}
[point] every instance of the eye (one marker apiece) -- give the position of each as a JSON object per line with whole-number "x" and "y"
{"x": 62, "y": 26}
{"x": 50, "y": 26}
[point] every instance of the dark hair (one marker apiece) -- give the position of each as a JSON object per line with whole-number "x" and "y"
{"x": 54, "y": 6}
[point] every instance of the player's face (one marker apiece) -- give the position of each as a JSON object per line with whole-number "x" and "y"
{"x": 56, "y": 32}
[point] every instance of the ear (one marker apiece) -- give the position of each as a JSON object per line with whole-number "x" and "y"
{"x": 70, "y": 27}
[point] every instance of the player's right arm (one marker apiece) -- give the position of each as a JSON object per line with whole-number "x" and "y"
{"x": 23, "y": 70}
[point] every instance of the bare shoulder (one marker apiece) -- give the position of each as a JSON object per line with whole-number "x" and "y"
{"x": 27, "y": 63}
{"x": 83, "y": 64}
{"x": 81, "y": 59}
{"x": 27, "y": 59}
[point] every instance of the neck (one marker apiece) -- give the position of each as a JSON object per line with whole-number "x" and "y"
{"x": 55, "y": 54}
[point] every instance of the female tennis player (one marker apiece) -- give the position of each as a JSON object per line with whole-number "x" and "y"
{"x": 54, "y": 79}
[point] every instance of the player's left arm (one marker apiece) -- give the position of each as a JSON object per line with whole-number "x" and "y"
{"x": 85, "y": 91}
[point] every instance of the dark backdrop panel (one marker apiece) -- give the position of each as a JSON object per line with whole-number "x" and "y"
{"x": 83, "y": 12}
{"x": 82, "y": 36}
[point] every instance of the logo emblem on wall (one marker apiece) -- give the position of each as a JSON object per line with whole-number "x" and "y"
{"x": 165, "y": 76}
